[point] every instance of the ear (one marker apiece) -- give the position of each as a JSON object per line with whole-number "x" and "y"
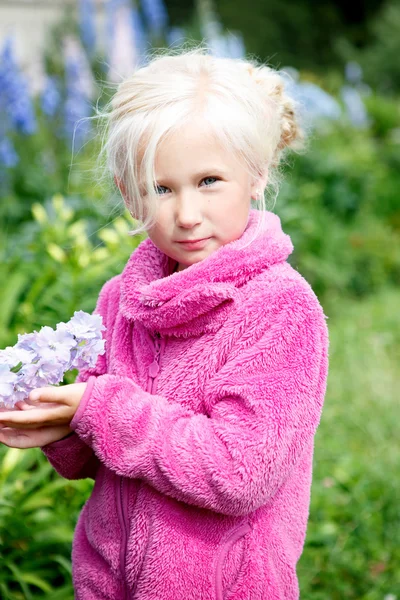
{"x": 259, "y": 184}
{"x": 121, "y": 186}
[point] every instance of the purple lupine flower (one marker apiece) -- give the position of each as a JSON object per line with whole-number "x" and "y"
{"x": 317, "y": 102}
{"x": 127, "y": 46}
{"x": 156, "y": 15}
{"x": 218, "y": 46}
{"x": 41, "y": 358}
{"x": 53, "y": 346}
{"x": 79, "y": 91}
{"x": 87, "y": 25}
{"x": 8, "y": 156}
{"x": 12, "y": 356}
{"x": 83, "y": 327}
{"x": 211, "y": 28}
{"x": 355, "y": 107}
{"x": 235, "y": 45}
{"x": 353, "y": 72}
{"x": 86, "y": 334}
{"x": 8, "y": 379}
{"x": 124, "y": 20}
{"x": 50, "y": 97}
{"x": 175, "y": 36}
{"x": 315, "y": 105}
{"x": 14, "y": 94}
{"x": 140, "y": 36}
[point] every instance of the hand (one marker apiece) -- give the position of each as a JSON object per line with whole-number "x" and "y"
{"x": 32, "y": 438}
{"x": 46, "y": 407}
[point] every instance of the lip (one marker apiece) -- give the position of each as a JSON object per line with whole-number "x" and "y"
{"x": 194, "y": 244}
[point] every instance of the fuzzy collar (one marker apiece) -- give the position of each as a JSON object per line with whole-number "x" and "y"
{"x": 196, "y": 300}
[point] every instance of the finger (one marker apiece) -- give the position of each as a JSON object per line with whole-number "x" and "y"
{"x": 23, "y": 405}
{"x": 16, "y": 438}
{"x": 46, "y": 394}
{"x": 38, "y": 417}
{"x": 28, "y": 405}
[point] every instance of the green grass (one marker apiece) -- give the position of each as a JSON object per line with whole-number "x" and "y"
{"x": 352, "y": 548}
{"x": 353, "y": 539}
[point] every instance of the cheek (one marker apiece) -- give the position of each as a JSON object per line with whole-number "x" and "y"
{"x": 159, "y": 233}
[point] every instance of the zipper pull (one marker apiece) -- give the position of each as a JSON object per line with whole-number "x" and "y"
{"x": 154, "y": 368}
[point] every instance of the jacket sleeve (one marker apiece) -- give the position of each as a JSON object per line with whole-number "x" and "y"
{"x": 264, "y": 408}
{"x": 71, "y": 457}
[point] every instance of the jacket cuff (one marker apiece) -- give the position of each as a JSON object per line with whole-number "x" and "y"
{"x": 64, "y": 442}
{"x": 84, "y": 400}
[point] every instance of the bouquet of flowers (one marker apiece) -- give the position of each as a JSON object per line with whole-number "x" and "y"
{"x": 41, "y": 358}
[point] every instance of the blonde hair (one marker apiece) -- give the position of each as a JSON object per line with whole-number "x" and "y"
{"x": 244, "y": 102}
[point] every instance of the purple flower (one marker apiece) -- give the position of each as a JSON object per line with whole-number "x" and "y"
{"x": 53, "y": 346}
{"x": 355, "y": 107}
{"x": 7, "y": 382}
{"x": 235, "y": 45}
{"x": 139, "y": 36}
{"x": 50, "y": 97}
{"x": 8, "y": 156}
{"x": 89, "y": 341}
{"x": 39, "y": 374}
{"x": 315, "y": 105}
{"x": 83, "y": 326}
{"x": 353, "y": 72}
{"x": 156, "y": 15}
{"x": 14, "y": 95}
{"x": 175, "y": 36}
{"x": 12, "y": 356}
{"x": 86, "y": 330}
{"x": 127, "y": 45}
{"x": 79, "y": 90}
{"x": 41, "y": 358}
{"x": 87, "y": 25}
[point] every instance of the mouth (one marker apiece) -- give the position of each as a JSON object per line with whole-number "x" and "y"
{"x": 191, "y": 241}
{"x": 194, "y": 244}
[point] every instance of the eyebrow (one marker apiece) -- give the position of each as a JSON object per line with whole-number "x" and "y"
{"x": 201, "y": 174}
{"x": 211, "y": 171}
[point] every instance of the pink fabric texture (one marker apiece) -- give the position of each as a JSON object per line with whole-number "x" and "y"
{"x": 198, "y": 426}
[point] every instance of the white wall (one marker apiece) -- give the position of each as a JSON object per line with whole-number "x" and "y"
{"x": 29, "y": 20}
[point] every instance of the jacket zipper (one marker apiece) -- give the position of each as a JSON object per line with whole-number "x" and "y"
{"x": 153, "y": 371}
{"x": 154, "y": 368}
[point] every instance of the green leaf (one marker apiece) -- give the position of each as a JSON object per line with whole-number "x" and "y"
{"x": 33, "y": 579}
{"x": 11, "y": 288}
{"x": 12, "y": 457}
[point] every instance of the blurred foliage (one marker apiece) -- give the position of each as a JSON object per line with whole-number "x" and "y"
{"x": 38, "y": 512}
{"x": 340, "y": 203}
{"x": 353, "y": 538}
{"x": 380, "y": 57}
{"x": 56, "y": 265}
{"x": 300, "y": 33}
{"x": 312, "y": 36}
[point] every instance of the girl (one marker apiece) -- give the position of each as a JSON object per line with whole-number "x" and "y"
{"x": 198, "y": 423}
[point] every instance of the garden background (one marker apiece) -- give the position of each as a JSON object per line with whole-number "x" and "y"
{"x": 63, "y": 233}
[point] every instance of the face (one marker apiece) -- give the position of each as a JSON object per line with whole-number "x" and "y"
{"x": 204, "y": 194}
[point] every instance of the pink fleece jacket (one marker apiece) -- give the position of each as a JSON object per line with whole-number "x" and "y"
{"x": 198, "y": 426}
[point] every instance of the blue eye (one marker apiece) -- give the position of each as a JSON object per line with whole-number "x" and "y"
{"x": 160, "y": 188}
{"x": 213, "y": 180}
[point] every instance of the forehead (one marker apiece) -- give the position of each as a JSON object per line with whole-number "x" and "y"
{"x": 192, "y": 148}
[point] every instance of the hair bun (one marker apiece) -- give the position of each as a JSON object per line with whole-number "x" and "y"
{"x": 272, "y": 85}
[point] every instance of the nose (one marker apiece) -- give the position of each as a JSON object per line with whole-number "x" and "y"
{"x": 187, "y": 210}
